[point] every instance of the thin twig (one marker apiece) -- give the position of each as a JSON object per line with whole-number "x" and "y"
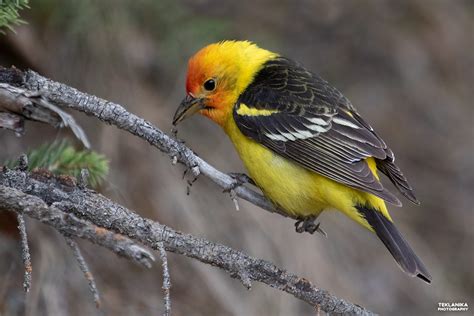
{"x": 84, "y": 268}
{"x": 83, "y": 180}
{"x": 166, "y": 278}
{"x": 25, "y": 252}
{"x": 25, "y": 249}
{"x": 233, "y": 197}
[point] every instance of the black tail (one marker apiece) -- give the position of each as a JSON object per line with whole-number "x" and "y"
{"x": 395, "y": 243}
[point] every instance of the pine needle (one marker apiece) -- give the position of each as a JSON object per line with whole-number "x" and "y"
{"x": 61, "y": 158}
{"x": 9, "y": 13}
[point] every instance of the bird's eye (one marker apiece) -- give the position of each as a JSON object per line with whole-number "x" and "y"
{"x": 210, "y": 84}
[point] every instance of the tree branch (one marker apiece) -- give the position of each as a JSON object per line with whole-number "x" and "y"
{"x": 68, "y": 224}
{"x": 25, "y": 252}
{"x": 84, "y": 268}
{"x": 95, "y": 208}
{"x": 91, "y": 206}
{"x": 115, "y": 114}
{"x": 166, "y": 278}
{"x": 12, "y": 122}
{"x": 18, "y": 103}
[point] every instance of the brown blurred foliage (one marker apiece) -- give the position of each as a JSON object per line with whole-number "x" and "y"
{"x": 406, "y": 65}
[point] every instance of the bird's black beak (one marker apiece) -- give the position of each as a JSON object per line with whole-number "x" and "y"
{"x": 188, "y": 107}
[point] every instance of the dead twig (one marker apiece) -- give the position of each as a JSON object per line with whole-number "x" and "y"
{"x": 25, "y": 252}
{"x": 17, "y": 104}
{"x": 84, "y": 268}
{"x": 166, "y": 278}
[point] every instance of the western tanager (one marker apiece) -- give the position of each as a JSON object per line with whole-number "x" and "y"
{"x": 302, "y": 142}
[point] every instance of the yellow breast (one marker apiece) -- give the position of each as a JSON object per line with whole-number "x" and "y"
{"x": 295, "y": 189}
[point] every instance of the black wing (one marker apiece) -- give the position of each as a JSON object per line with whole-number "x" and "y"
{"x": 301, "y": 117}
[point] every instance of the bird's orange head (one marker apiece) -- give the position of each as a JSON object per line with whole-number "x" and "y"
{"x": 217, "y": 75}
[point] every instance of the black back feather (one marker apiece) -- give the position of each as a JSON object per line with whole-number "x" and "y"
{"x": 315, "y": 126}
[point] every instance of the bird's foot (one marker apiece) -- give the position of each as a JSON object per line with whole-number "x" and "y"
{"x": 190, "y": 179}
{"x": 308, "y": 225}
{"x": 239, "y": 180}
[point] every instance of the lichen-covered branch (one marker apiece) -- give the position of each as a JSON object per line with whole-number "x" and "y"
{"x": 68, "y": 224}
{"x": 166, "y": 278}
{"x": 95, "y": 208}
{"x": 25, "y": 252}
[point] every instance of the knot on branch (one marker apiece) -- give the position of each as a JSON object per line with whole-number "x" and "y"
{"x": 83, "y": 180}
{"x": 243, "y": 276}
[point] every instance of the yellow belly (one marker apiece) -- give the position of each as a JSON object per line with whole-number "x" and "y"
{"x": 297, "y": 190}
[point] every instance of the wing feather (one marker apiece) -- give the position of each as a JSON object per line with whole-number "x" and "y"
{"x": 315, "y": 126}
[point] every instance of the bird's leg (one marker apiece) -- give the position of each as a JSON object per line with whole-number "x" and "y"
{"x": 195, "y": 171}
{"x": 308, "y": 224}
{"x": 239, "y": 179}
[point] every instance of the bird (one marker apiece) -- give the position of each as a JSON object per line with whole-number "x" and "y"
{"x": 302, "y": 142}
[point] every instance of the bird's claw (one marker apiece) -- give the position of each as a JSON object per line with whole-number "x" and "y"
{"x": 308, "y": 225}
{"x": 174, "y": 135}
{"x": 239, "y": 180}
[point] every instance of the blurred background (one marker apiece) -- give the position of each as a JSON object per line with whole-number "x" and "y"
{"x": 406, "y": 65}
